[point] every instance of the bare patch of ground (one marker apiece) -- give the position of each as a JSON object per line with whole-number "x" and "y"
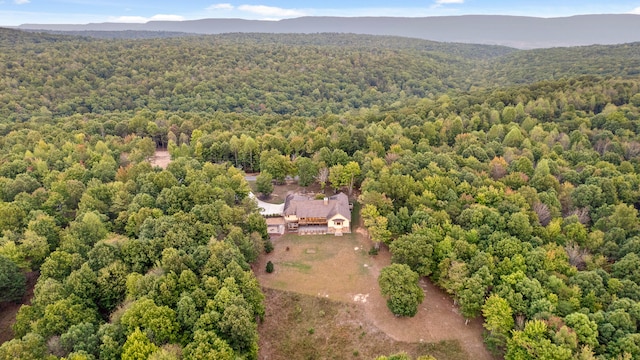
{"x": 340, "y": 269}
{"x": 300, "y": 326}
{"x": 161, "y": 159}
{"x": 8, "y": 310}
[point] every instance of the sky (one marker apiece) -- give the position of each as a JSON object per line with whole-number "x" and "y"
{"x": 16, "y": 12}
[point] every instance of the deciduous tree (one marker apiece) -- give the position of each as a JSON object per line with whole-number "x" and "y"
{"x": 264, "y": 183}
{"x": 532, "y": 343}
{"x": 138, "y": 346}
{"x": 498, "y": 317}
{"x": 400, "y": 285}
{"x": 12, "y": 281}
{"x": 307, "y": 171}
{"x": 416, "y": 251}
{"x": 159, "y": 323}
{"x": 207, "y": 345}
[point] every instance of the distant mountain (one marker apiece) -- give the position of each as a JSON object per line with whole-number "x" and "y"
{"x": 515, "y": 31}
{"x": 116, "y": 34}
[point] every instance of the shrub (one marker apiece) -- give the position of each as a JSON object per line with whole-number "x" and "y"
{"x": 268, "y": 246}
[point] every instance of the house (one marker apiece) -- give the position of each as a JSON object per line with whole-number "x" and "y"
{"x": 331, "y": 215}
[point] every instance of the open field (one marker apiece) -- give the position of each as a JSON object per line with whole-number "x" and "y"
{"x": 339, "y": 275}
{"x": 309, "y": 327}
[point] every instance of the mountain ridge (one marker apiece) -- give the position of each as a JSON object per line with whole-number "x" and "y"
{"x": 515, "y": 31}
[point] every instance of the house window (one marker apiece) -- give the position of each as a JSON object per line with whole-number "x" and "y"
{"x": 338, "y": 223}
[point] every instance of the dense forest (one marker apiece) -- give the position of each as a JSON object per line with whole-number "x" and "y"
{"x": 510, "y": 178}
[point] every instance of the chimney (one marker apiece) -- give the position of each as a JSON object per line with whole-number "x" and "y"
{"x": 326, "y": 200}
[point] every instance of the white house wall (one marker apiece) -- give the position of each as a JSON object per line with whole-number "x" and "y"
{"x": 345, "y": 223}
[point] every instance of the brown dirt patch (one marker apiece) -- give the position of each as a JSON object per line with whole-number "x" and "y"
{"x": 161, "y": 159}
{"x": 340, "y": 269}
{"x": 309, "y": 327}
{"x": 9, "y": 310}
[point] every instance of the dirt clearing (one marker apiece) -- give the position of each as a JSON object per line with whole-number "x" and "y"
{"x": 309, "y": 327}
{"x": 340, "y": 269}
{"x": 161, "y": 159}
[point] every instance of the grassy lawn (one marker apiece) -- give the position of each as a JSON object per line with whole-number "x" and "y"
{"x": 326, "y": 265}
{"x": 297, "y": 265}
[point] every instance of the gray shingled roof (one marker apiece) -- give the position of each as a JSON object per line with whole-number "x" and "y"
{"x": 304, "y": 207}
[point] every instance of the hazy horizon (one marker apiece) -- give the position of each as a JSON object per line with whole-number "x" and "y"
{"x": 17, "y": 12}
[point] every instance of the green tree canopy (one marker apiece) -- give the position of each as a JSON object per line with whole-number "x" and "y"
{"x": 264, "y": 183}
{"x": 138, "y": 346}
{"x": 12, "y": 281}
{"x": 400, "y": 285}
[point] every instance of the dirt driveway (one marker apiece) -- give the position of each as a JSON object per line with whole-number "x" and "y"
{"x": 340, "y": 268}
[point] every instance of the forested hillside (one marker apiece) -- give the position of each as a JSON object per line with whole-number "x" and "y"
{"x": 549, "y": 64}
{"x": 510, "y": 178}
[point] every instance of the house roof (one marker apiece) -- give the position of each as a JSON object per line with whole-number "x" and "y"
{"x": 304, "y": 207}
{"x": 275, "y": 221}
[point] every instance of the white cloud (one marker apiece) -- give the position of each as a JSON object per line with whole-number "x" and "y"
{"x": 142, "y": 19}
{"x": 21, "y": 2}
{"x": 223, "y": 6}
{"x": 166, "y": 17}
{"x": 264, "y": 12}
{"x": 271, "y": 11}
{"x": 128, "y": 19}
{"x": 635, "y": 11}
{"x": 443, "y": 2}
